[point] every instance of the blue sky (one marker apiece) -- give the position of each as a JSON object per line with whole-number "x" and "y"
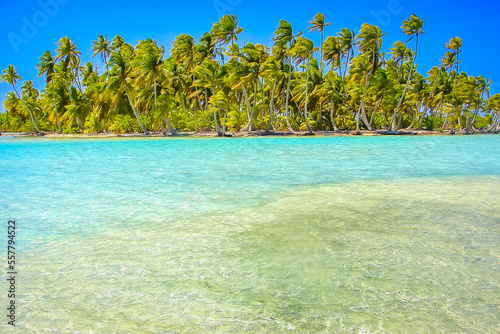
{"x": 30, "y": 27}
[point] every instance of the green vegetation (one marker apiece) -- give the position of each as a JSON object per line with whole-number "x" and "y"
{"x": 217, "y": 85}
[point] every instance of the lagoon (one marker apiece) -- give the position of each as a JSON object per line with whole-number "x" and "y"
{"x": 317, "y": 234}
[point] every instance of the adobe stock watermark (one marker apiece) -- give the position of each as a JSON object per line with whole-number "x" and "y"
{"x": 384, "y": 16}
{"x": 225, "y": 6}
{"x": 31, "y": 26}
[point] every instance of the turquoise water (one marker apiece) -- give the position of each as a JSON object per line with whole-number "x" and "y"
{"x": 324, "y": 234}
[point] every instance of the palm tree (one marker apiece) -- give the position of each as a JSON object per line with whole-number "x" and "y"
{"x": 102, "y": 47}
{"x": 272, "y": 71}
{"x": 318, "y": 24}
{"x": 361, "y": 87}
{"x": 284, "y": 36}
{"x": 333, "y": 53}
{"x": 493, "y": 105}
{"x": 330, "y": 92}
{"x": 77, "y": 110}
{"x": 13, "y": 109}
{"x": 117, "y": 43}
{"x": 303, "y": 50}
{"x": 220, "y": 101}
{"x": 68, "y": 51}
{"x": 369, "y": 42}
{"x": 184, "y": 50}
{"x": 411, "y": 27}
{"x": 119, "y": 85}
{"x": 208, "y": 76}
{"x": 148, "y": 64}
{"x": 11, "y": 76}
{"x": 455, "y": 44}
{"x": 226, "y": 31}
{"x": 252, "y": 59}
{"x": 482, "y": 89}
{"x": 46, "y": 67}
{"x": 346, "y": 41}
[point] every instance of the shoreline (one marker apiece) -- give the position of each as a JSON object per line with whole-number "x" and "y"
{"x": 345, "y": 133}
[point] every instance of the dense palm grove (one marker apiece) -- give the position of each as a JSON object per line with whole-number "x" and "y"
{"x": 216, "y": 84}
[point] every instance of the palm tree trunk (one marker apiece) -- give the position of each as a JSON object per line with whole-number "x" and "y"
{"x": 271, "y": 107}
{"x": 146, "y": 132}
{"x": 250, "y": 126}
{"x": 321, "y": 53}
{"x": 494, "y": 125}
{"x": 290, "y": 128}
{"x": 320, "y": 121}
{"x": 415, "y": 116}
{"x": 414, "y": 59}
{"x": 459, "y": 121}
{"x": 332, "y": 117}
{"x": 20, "y": 120}
{"x": 29, "y": 111}
{"x": 172, "y": 130}
{"x": 155, "y": 92}
{"x": 217, "y": 126}
{"x": 468, "y": 124}
{"x": 254, "y": 102}
{"x": 375, "y": 111}
{"x": 305, "y": 102}
{"x": 345, "y": 69}
{"x": 357, "y": 118}
{"x": 107, "y": 66}
{"x": 445, "y": 120}
{"x": 362, "y": 106}
{"x": 421, "y": 118}
{"x": 493, "y": 122}
{"x": 55, "y": 107}
{"x": 363, "y": 116}
{"x": 476, "y": 112}
{"x": 247, "y": 101}
{"x": 163, "y": 130}
{"x": 206, "y": 100}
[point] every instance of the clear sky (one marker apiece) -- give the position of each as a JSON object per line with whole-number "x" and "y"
{"x": 30, "y": 27}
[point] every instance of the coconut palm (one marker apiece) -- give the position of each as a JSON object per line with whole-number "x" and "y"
{"x": 119, "y": 85}
{"x": 184, "y": 50}
{"x": 284, "y": 39}
{"x": 210, "y": 84}
{"x": 46, "y": 67}
{"x": 67, "y": 51}
{"x": 148, "y": 65}
{"x": 103, "y": 48}
{"x": 493, "y": 105}
{"x": 303, "y": 50}
{"x": 13, "y": 109}
{"x": 117, "y": 43}
{"x": 411, "y": 27}
{"x": 318, "y": 24}
{"x": 220, "y": 101}
{"x": 455, "y": 45}
{"x": 272, "y": 71}
{"x": 208, "y": 76}
{"x": 482, "y": 88}
{"x": 333, "y": 53}
{"x": 369, "y": 42}
{"x": 77, "y": 110}
{"x": 346, "y": 41}
{"x": 11, "y": 76}
{"x": 226, "y": 30}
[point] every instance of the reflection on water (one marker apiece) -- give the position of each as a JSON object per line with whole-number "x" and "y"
{"x": 256, "y": 235}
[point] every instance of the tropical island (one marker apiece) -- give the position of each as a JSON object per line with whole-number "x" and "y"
{"x": 346, "y": 85}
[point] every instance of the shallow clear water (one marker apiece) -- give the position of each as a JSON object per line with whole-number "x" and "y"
{"x": 368, "y": 234}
